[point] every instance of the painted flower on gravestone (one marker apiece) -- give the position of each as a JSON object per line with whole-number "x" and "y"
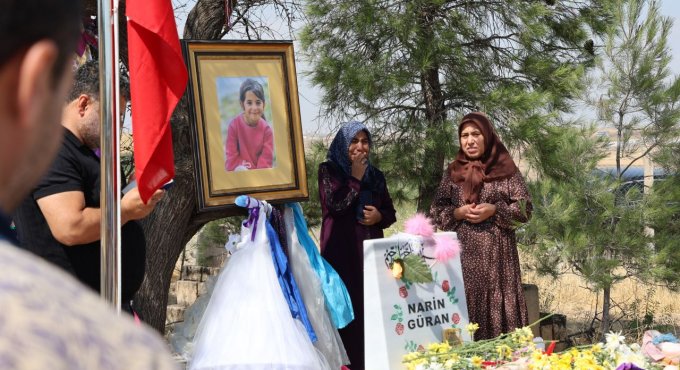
{"x": 451, "y": 294}
{"x": 398, "y": 316}
{"x": 445, "y": 286}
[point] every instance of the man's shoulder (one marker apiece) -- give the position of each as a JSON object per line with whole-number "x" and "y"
{"x": 53, "y": 321}
{"x": 74, "y": 167}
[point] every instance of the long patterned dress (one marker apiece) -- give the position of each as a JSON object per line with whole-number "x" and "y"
{"x": 342, "y": 243}
{"x": 489, "y": 258}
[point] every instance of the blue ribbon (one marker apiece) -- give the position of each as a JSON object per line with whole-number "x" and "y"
{"x": 335, "y": 292}
{"x": 287, "y": 282}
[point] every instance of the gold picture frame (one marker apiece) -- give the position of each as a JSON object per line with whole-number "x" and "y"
{"x": 246, "y": 126}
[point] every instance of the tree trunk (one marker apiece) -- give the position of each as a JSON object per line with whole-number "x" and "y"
{"x": 175, "y": 220}
{"x": 433, "y": 161}
{"x": 606, "y": 304}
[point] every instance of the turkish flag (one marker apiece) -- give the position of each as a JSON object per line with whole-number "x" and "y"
{"x": 158, "y": 77}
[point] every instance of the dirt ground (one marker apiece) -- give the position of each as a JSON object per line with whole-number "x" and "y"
{"x": 636, "y": 306}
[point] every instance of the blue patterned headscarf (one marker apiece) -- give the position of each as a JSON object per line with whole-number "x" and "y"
{"x": 338, "y": 153}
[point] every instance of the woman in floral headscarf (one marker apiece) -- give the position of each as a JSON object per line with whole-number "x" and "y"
{"x": 482, "y": 197}
{"x": 355, "y": 206}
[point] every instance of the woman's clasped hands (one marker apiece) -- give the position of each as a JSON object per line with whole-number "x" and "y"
{"x": 475, "y": 213}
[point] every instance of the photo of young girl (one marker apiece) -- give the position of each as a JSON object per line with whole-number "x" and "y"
{"x": 250, "y": 140}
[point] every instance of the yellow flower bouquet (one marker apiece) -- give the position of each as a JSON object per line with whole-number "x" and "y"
{"x": 518, "y": 350}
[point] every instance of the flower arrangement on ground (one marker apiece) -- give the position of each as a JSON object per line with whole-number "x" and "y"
{"x": 519, "y": 350}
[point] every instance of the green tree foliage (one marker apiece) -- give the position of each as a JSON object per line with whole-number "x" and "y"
{"x": 410, "y": 69}
{"x": 213, "y": 235}
{"x": 590, "y": 221}
{"x": 636, "y": 94}
{"x": 587, "y": 223}
{"x": 664, "y": 218}
{"x": 313, "y": 157}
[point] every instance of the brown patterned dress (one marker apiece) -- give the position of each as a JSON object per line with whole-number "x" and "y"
{"x": 489, "y": 258}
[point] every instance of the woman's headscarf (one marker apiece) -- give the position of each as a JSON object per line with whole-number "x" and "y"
{"x": 338, "y": 154}
{"x": 494, "y": 164}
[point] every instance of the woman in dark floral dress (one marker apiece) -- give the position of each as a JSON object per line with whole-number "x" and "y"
{"x": 355, "y": 206}
{"x": 483, "y": 197}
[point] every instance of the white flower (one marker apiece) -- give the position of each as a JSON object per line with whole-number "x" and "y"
{"x": 614, "y": 340}
{"x": 422, "y": 367}
{"x": 436, "y": 366}
{"x": 632, "y": 357}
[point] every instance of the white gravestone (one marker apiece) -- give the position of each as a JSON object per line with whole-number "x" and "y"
{"x": 401, "y": 317}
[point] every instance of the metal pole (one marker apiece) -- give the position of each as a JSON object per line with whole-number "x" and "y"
{"x": 110, "y": 152}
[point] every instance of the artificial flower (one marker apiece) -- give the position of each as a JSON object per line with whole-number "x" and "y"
{"x": 472, "y": 328}
{"x": 445, "y": 248}
{"x": 397, "y": 269}
{"x": 419, "y": 224}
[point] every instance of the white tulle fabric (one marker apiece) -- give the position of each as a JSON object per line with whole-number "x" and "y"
{"x": 328, "y": 342}
{"x": 247, "y": 324}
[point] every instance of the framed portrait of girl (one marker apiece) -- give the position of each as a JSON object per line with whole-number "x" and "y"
{"x": 246, "y": 128}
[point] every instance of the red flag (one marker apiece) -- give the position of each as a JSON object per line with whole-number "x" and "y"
{"x": 158, "y": 78}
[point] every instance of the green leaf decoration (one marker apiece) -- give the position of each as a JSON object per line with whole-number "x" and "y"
{"x": 416, "y": 270}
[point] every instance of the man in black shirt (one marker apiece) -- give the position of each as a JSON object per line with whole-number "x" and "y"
{"x": 61, "y": 219}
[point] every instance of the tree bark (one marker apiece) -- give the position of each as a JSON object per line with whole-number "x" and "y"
{"x": 435, "y": 114}
{"x": 606, "y": 304}
{"x": 205, "y": 21}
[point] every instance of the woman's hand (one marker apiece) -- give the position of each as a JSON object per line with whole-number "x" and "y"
{"x": 480, "y": 212}
{"x": 359, "y": 164}
{"x": 461, "y": 213}
{"x": 371, "y": 216}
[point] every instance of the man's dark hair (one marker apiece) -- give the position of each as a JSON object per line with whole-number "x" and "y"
{"x": 86, "y": 82}
{"x": 25, "y": 22}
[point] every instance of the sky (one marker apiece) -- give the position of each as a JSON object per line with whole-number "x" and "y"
{"x": 309, "y": 96}
{"x": 671, "y": 8}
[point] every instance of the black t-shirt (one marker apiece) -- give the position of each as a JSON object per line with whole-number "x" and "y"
{"x": 77, "y": 168}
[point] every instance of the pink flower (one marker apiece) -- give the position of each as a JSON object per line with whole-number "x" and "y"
{"x": 419, "y": 225}
{"x": 445, "y": 248}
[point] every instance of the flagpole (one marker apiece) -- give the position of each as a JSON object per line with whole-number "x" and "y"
{"x": 109, "y": 73}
